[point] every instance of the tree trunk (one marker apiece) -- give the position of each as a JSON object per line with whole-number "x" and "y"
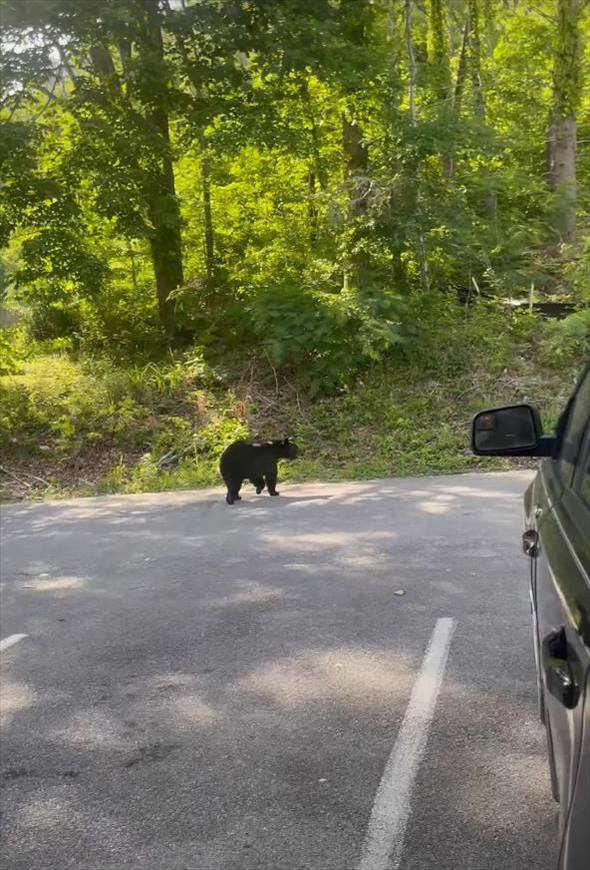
{"x": 165, "y": 240}
{"x": 124, "y": 47}
{"x": 441, "y": 67}
{"x": 166, "y": 260}
{"x": 489, "y": 202}
{"x": 415, "y": 168}
{"x": 439, "y": 50}
{"x": 312, "y": 212}
{"x": 356, "y": 165}
{"x": 209, "y": 237}
{"x": 475, "y": 60}
{"x": 102, "y": 61}
{"x": 563, "y": 174}
{"x": 395, "y": 199}
{"x": 461, "y": 71}
{"x": 356, "y": 154}
{"x": 162, "y": 205}
{"x": 195, "y": 87}
{"x": 411, "y": 59}
{"x": 320, "y": 172}
{"x": 563, "y": 133}
{"x": 131, "y": 254}
{"x": 316, "y": 171}
{"x": 355, "y": 15}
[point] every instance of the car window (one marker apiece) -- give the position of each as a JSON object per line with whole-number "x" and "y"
{"x": 575, "y": 428}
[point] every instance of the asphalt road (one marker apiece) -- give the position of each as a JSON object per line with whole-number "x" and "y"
{"x": 220, "y": 688}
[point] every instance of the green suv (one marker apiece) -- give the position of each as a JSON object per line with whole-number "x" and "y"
{"x": 557, "y": 542}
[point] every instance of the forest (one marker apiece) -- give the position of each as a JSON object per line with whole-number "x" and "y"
{"x": 354, "y": 222}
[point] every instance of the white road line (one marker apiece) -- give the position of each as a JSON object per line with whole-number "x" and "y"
{"x": 383, "y": 845}
{"x": 9, "y": 641}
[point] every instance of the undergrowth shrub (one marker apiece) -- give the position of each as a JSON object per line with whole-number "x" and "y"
{"x": 55, "y": 403}
{"x": 165, "y": 423}
{"x": 567, "y": 341}
{"x": 325, "y": 337}
{"x": 13, "y": 349}
{"x": 451, "y": 338}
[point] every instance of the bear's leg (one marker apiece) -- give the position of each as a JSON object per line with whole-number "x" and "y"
{"x": 259, "y": 484}
{"x": 271, "y": 482}
{"x": 233, "y": 491}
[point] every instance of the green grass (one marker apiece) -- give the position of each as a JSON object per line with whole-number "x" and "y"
{"x": 89, "y": 427}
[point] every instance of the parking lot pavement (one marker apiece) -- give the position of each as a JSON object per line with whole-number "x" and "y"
{"x": 338, "y": 678}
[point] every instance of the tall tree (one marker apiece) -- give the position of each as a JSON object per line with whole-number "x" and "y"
{"x": 563, "y": 132}
{"x": 475, "y": 59}
{"x": 440, "y": 64}
{"x": 207, "y": 45}
{"x": 209, "y": 235}
{"x": 462, "y": 67}
{"x": 120, "y": 92}
{"x": 356, "y": 23}
{"x": 356, "y": 169}
{"x": 165, "y": 239}
{"x": 439, "y": 48}
{"x": 489, "y": 200}
{"x": 415, "y": 164}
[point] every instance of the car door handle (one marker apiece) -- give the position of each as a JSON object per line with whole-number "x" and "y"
{"x": 559, "y": 675}
{"x": 530, "y": 543}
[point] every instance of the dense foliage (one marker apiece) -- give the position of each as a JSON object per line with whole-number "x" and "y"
{"x": 311, "y": 188}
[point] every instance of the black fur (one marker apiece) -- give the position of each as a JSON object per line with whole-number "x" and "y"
{"x": 254, "y": 462}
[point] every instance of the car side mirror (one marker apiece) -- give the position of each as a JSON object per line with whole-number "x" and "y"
{"x": 515, "y": 430}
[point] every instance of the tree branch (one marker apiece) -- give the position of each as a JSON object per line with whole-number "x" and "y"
{"x": 65, "y": 64}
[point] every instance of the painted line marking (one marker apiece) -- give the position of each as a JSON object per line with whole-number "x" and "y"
{"x": 9, "y": 641}
{"x": 384, "y": 840}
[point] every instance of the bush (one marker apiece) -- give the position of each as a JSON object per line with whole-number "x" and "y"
{"x": 165, "y": 424}
{"x": 61, "y": 405}
{"x": 54, "y": 320}
{"x": 13, "y": 350}
{"x": 567, "y": 341}
{"x": 326, "y": 337}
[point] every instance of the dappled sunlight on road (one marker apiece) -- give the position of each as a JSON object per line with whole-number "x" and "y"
{"x": 348, "y": 676}
{"x": 249, "y": 592}
{"x": 455, "y": 490}
{"x": 176, "y": 700}
{"x": 53, "y": 584}
{"x": 15, "y": 697}
{"x": 92, "y": 730}
{"x": 45, "y": 814}
{"x": 57, "y": 812}
{"x": 312, "y": 542}
{"x": 430, "y": 507}
{"x": 190, "y": 710}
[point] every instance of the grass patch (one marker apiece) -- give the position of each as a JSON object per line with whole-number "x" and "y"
{"x": 88, "y": 426}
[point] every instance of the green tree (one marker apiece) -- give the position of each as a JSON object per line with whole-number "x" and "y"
{"x": 120, "y": 92}
{"x": 563, "y": 132}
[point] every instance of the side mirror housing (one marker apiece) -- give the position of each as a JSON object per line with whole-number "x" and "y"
{"x": 515, "y": 430}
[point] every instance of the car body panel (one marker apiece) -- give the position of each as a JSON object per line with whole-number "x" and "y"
{"x": 560, "y": 598}
{"x": 576, "y": 849}
{"x": 556, "y": 539}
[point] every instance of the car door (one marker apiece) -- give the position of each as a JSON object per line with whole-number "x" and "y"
{"x": 562, "y": 597}
{"x": 576, "y": 842}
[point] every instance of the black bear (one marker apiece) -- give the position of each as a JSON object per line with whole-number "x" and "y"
{"x": 254, "y": 462}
